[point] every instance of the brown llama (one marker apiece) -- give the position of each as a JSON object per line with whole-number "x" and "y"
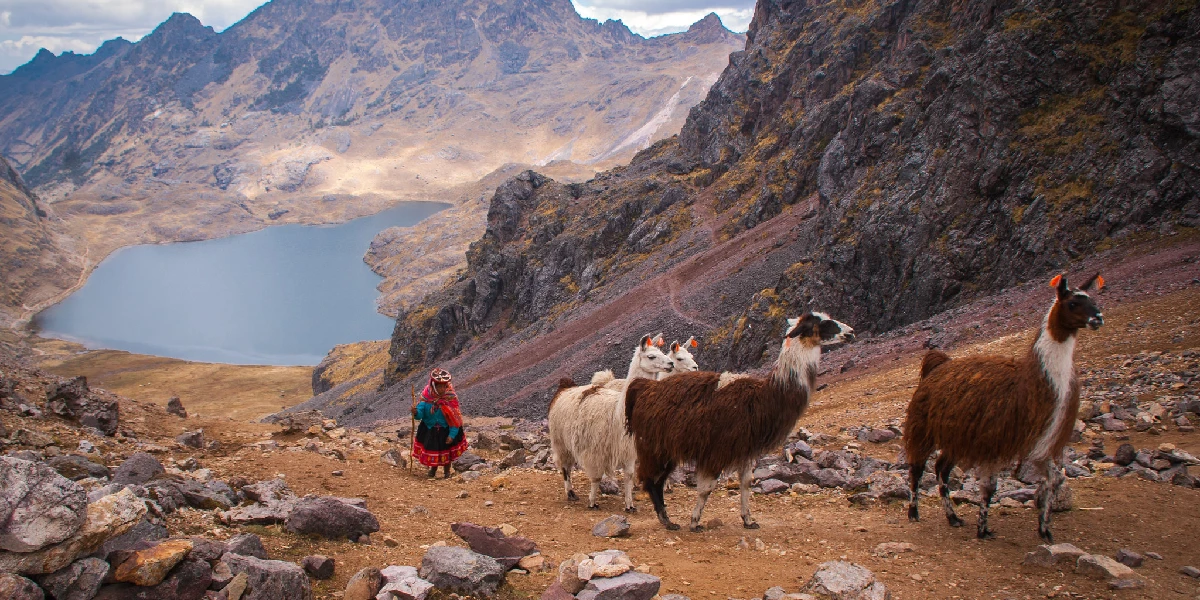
{"x": 989, "y": 412}
{"x": 720, "y": 422}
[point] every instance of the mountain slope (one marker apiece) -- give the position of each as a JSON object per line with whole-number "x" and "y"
{"x": 36, "y": 265}
{"x": 320, "y": 111}
{"x": 882, "y": 161}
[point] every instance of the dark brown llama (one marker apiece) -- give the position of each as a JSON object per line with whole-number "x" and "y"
{"x": 720, "y": 421}
{"x": 989, "y": 412}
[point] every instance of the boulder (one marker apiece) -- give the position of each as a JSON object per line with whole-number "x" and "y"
{"x": 75, "y": 467}
{"x": 107, "y": 518}
{"x": 628, "y": 586}
{"x": 318, "y": 566}
{"x": 330, "y": 517}
{"x": 150, "y": 566}
{"x": 773, "y": 486}
{"x": 841, "y": 580}
{"x": 270, "y": 579}
{"x": 1125, "y": 455}
{"x": 271, "y": 490}
{"x": 1051, "y": 555}
{"x": 246, "y": 544}
{"x": 394, "y": 457}
{"x": 612, "y": 527}
{"x": 1102, "y": 567}
{"x": 490, "y": 541}
{"x": 138, "y": 469}
{"x": 556, "y": 592}
{"x": 191, "y": 439}
{"x": 300, "y": 422}
{"x": 188, "y": 581}
{"x": 467, "y": 461}
{"x": 364, "y": 585}
{"x": 881, "y": 436}
{"x": 453, "y": 569}
{"x": 568, "y": 576}
{"x": 175, "y": 407}
{"x": 515, "y": 458}
{"x": 236, "y": 588}
{"x": 139, "y": 537}
{"x": 15, "y": 587}
{"x": 1130, "y": 558}
{"x": 78, "y": 581}
{"x": 403, "y": 583}
{"x": 38, "y": 507}
{"x": 273, "y": 513}
{"x": 28, "y": 437}
{"x": 73, "y": 400}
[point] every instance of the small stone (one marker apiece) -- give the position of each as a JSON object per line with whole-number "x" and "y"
{"x": 138, "y": 469}
{"x": 175, "y": 407}
{"x": 1125, "y": 455}
{"x": 269, "y": 579}
{"x": 773, "y": 486}
{"x": 887, "y": 549}
{"x": 246, "y": 544}
{"x": 1050, "y": 556}
{"x": 1154, "y": 555}
{"x": 390, "y": 542}
{"x": 840, "y": 579}
{"x": 318, "y": 566}
{"x": 463, "y": 494}
{"x": 499, "y": 481}
{"x": 1126, "y": 584}
{"x": 881, "y": 436}
{"x": 1102, "y": 567}
{"x": 191, "y": 439}
{"x": 568, "y": 576}
{"x": 454, "y": 569}
{"x": 403, "y": 583}
{"x": 364, "y": 585}
{"x": 628, "y": 586}
{"x": 236, "y": 586}
{"x": 492, "y": 542}
{"x": 1129, "y": 558}
{"x": 338, "y": 473}
{"x": 1190, "y": 571}
{"x": 532, "y": 563}
{"x": 612, "y": 527}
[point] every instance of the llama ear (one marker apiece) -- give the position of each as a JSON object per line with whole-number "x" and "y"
{"x": 1061, "y": 286}
{"x": 674, "y": 346}
{"x": 646, "y": 341}
{"x": 1096, "y": 280}
{"x": 804, "y": 327}
{"x": 1054, "y": 282}
{"x": 693, "y": 343}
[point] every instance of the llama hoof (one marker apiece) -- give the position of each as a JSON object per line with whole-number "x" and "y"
{"x": 913, "y": 515}
{"x": 1046, "y": 536}
{"x": 955, "y": 521}
{"x": 697, "y": 528}
{"x": 986, "y": 534}
{"x": 572, "y": 496}
{"x": 594, "y": 507}
{"x": 750, "y": 525}
{"x": 671, "y": 526}
{"x": 630, "y": 509}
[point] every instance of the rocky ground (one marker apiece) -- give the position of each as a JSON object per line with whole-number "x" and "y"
{"x": 830, "y": 495}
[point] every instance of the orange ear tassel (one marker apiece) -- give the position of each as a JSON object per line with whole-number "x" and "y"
{"x": 695, "y": 344}
{"x": 1099, "y": 283}
{"x": 1054, "y": 282}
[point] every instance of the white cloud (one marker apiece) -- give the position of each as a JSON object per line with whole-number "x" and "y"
{"x": 650, "y": 18}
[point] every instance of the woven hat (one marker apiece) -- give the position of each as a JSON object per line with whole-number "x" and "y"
{"x": 440, "y": 375}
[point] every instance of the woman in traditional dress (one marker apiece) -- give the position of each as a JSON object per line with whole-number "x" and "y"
{"x": 440, "y": 438}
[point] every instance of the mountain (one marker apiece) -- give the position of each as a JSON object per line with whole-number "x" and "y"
{"x": 321, "y": 111}
{"x": 36, "y": 260}
{"x": 883, "y": 161}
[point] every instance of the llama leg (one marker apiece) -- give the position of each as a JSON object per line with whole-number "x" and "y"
{"x": 566, "y": 473}
{"x": 593, "y": 493}
{"x": 987, "y": 490}
{"x": 744, "y": 489}
{"x": 653, "y": 485}
{"x": 916, "y": 469}
{"x": 943, "y": 467}
{"x": 705, "y": 484}
{"x": 629, "y": 471}
{"x": 1045, "y": 495}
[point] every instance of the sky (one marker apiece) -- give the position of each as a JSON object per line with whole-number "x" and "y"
{"x": 82, "y": 25}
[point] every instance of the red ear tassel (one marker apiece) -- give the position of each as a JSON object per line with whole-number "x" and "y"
{"x": 1099, "y": 283}
{"x": 695, "y": 344}
{"x": 1054, "y": 282}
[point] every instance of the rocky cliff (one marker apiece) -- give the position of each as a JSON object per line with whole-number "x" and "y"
{"x": 34, "y": 263}
{"x": 883, "y": 161}
{"x": 322, "y": 111}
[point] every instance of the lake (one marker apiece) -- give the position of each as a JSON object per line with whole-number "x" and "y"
{"x": 283, "y": 295}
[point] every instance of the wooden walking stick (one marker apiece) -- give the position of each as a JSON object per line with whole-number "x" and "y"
{"x": 412, "y": 450}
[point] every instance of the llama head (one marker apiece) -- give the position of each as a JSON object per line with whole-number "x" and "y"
{"x": 682, "y": 357}
{"x": 648, "y": 359}
{"x": 817, "y": 329}
{"x": 1075, "y": 309}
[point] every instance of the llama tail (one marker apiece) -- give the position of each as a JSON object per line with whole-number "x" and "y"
{"x": 564, "y": 383}
{"x": 631, "y": 394}
{"x": 933, "y": 359}
{"x": 602, "y": 377}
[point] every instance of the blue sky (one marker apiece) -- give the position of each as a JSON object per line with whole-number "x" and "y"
{"x": 82, "y": 25}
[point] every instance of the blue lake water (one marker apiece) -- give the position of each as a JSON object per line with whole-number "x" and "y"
{"x": 283, "y": 295}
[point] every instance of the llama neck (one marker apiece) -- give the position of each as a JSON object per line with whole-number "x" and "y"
{"x": 635, "y": 369}
{"x": 796, "y": 369}
{"x": 1054, "y": 352}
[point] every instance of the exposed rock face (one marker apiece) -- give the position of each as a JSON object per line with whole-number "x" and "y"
{"x": 33, "y": 263}
{"x": 841, "y": 138}
{"x": 107, "y": 518}
{"x": 139, "y": 468}
{"x": 332, "y": 518}
{"x": 38, "y": 507}
{"x": 73, "y": 400}
{"x": 460, "y": 570}
{"x": 270, "y": 579}
{"x": 79, "y": 581}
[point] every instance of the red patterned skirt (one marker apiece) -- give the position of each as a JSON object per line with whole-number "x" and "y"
{"x": 431, "y": 449}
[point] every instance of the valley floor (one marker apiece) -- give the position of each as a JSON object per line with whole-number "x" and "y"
{"x": 798, "y": 531}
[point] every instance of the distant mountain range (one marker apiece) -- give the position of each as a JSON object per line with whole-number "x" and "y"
{"x": 321, "y": 111}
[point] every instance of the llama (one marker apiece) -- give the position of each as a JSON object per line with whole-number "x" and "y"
{"x": 587, "y": 425}
{"x": 682, "y": 357}
{"x": 647, "y": 362}
{"x": 689, "y": 417}
{"x": 989, "y": 411}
